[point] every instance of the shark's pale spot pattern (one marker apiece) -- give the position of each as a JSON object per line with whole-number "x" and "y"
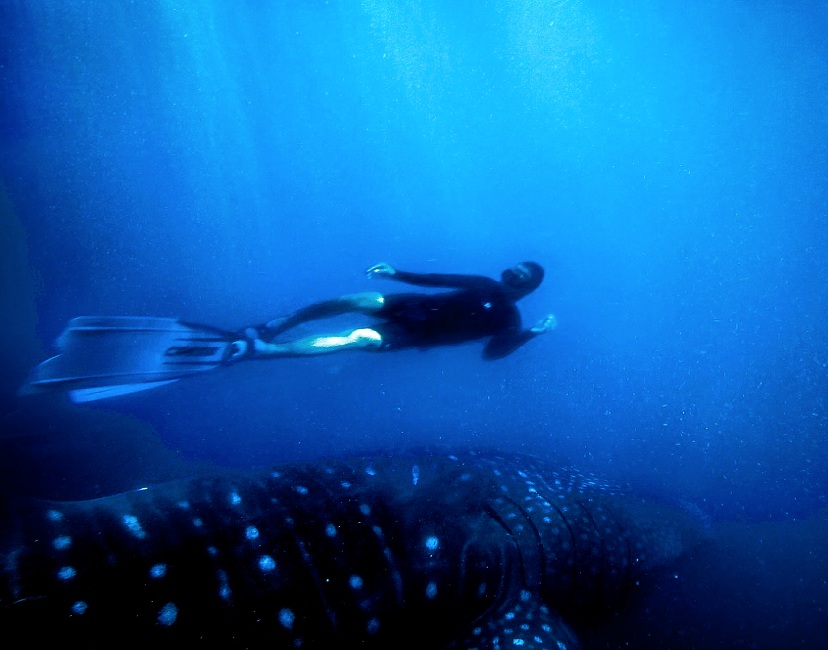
{"x": 332, "y": 555}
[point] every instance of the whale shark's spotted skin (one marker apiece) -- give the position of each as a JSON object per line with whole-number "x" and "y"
{"x": 474, "y": 550}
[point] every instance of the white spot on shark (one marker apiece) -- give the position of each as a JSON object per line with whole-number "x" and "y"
{"x": 158, "y": 570}
{"x": 224, "y": 587}
{"x": 431, "y": 590}
{"x": 66, "y": 573}
{"x": 286, "y": 618}
{"x": 134, "y": 526}
{"x": 168, "y": 614}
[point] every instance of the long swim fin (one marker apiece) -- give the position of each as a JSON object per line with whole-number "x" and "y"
{"x": 107, "y": 356}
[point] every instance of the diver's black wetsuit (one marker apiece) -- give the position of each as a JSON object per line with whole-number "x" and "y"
{"x": 479, "y": 308}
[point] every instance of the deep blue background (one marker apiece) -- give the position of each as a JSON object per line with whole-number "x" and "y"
{"x": 228, "y": 162}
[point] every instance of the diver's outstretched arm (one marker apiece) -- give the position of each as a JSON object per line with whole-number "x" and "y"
{"x": 446, "y": 280}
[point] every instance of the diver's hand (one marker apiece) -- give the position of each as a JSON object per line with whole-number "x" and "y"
{"x": 381, "y": 270}
{"x": 545, "y": 325}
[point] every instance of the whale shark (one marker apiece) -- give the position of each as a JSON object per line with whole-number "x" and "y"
{"x": 430, "y": 548}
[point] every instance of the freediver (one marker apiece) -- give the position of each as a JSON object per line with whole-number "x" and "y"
{"x": 478, "y": 307}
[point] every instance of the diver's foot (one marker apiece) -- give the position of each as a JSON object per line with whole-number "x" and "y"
{"x": 248, "y": 346}
{"x": 237, "y": 351}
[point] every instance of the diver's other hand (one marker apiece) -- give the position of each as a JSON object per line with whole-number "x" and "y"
{"x": 381, "y": 270}
{"x": 546, "y": 324}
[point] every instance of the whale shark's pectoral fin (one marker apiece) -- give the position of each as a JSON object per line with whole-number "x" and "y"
{"x": 524, "y": 623}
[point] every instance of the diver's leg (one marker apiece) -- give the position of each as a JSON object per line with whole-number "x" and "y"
{"x": 368, "y": 302}
{"x": 358, "y": 339}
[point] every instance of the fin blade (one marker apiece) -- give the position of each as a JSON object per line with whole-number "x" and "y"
{"x": 105, "y": 352}
{"x": 81, "y": 395}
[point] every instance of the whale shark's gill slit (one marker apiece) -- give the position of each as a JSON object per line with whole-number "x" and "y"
{"x": 598, "y": 586}
{"x": 487, "y": 587}
{"x": 289, "y": 517}
{"x": 621, "y": 533}
{"x": 574, "y": 554}
{"x": 533, "y": 576}
{"x": 503, "y": 590}
{"x": 310, "y": 565}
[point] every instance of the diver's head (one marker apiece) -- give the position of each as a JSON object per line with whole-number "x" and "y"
{"x": 523, "y": 278}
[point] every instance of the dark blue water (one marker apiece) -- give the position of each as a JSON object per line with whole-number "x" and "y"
{"x": 227, "y": 163}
